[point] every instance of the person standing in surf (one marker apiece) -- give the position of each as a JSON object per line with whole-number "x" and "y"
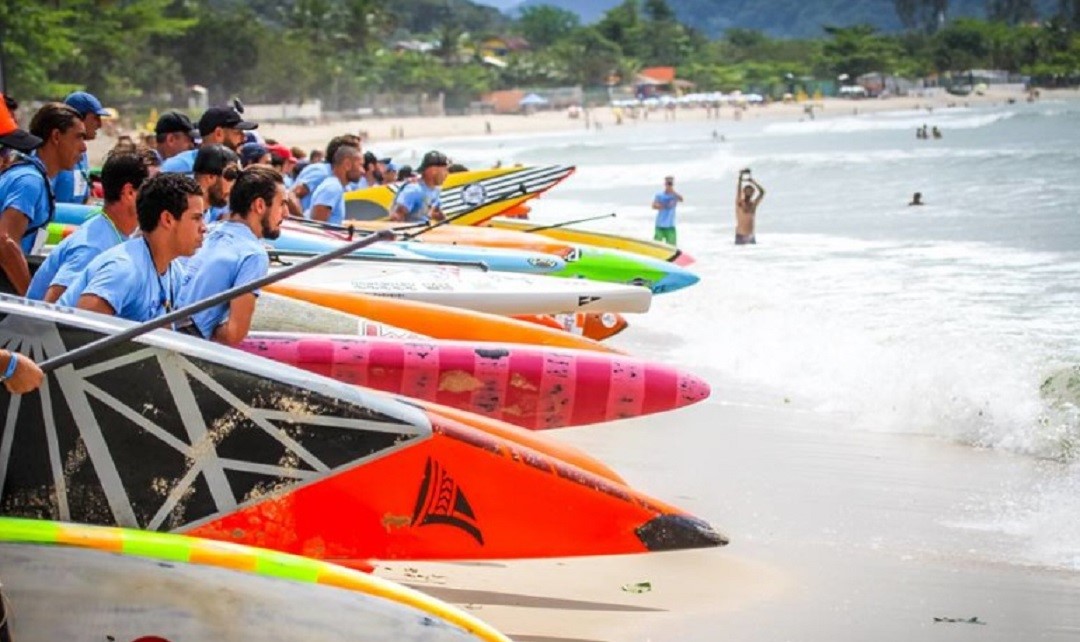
{"x": 665, "y": 203}
{"x": 418, "y": 202}
{"x": 140, "y": 279}
{"x": 233, "y": 255}
{"x": 121, "y": 176}
{"x": 747, "y": 200}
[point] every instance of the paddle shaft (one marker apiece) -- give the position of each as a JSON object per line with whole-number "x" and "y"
{"x": 183, "y": 313}
{"x": 565, "y": 223}
{"x": 479, "y": 265}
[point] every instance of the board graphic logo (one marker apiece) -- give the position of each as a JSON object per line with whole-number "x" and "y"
{"x": 442, "y": 501}
{"x": 542, "y": 262}
{"x": 585, "y": 300}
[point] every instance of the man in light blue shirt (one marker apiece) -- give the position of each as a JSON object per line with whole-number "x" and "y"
{"x": 73, "y": 185}
{"x": 313, "y": 174}
{"x": 27, "y": 203}
{"x": 233, "y": 255}
{"x": 419, "y": 202}
{"x": 121, "y": 177}
{"x": 665, "y": 203}
{"x": 216, "y": 168}
{"x": 218, "y": 126}
{"x": 140, "y": 279}
{"x": 328, "y": 201}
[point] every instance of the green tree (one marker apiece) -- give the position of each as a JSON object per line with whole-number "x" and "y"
{"x": 543, "y": 25}
{"x": 589, "y": 57}
{"x": 921, "y": 14}
{"x": 1011, "y": 11}
{"x": 858, "y": 50}
{"x": 35, "y": 40}
{"x": 623, "y": 26}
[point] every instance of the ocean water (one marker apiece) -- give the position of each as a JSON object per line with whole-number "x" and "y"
{"x": 941, "y": 321}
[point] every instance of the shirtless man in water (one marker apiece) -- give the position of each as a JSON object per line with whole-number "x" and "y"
{"x": 746, "y": 204}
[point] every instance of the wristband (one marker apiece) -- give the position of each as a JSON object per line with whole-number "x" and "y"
{"x": 14, "y": 363}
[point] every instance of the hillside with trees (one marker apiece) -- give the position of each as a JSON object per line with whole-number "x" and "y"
{"x": 143, "y": 53}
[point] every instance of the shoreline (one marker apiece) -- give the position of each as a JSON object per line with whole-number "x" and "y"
{"x": 309, "y": 137}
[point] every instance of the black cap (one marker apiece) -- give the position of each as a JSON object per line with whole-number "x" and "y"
{"x": 213, "y": 159}
{"x": 20, "y": 140}
{"x": 226, "y": 117}
{"x": 172, "y": 122}
{"x": 433, "y": 159}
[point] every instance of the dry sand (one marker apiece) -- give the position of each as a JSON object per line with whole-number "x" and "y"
{"x": 378, "y": 130}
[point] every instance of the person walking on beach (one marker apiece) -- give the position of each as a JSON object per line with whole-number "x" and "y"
{"x": 665, "y": 203}
{"x": 747, "y": 200}
{"x": 418, "y": 202}
{"x": 916, "y": 199}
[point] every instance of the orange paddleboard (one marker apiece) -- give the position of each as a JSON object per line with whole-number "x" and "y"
{"x": 521, "y": 436}
{"x": 461, "y": 494}
{"x": 439, "y": 322}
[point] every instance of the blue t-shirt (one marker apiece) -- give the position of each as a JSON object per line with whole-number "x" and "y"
{"x": 70, "y": 257}
{"x": 330, "y": 193}
{"x": 182, "y": 163}
{"x": 25, "y": 187}
{"x": 418, "y": 198}
{"x": 665, "y": 216}
{"x": 231, "y": 255}
{"x": 126, "y": 279}
{"x": 312, "y": 176}
{"x": 215, "y": 214}
{"x": 73, "y": 185}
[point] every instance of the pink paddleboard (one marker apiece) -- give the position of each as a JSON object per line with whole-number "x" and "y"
{"x": 529, "y": 386}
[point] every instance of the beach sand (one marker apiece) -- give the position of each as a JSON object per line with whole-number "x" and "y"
{"x": 445, "y": 129}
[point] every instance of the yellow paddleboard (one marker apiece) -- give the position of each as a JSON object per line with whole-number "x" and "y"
{"x": 482, "y": 193}
{"x": 652, "y": 249}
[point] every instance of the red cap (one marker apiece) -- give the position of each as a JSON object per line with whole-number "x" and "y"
{"x": 281, "y": 151}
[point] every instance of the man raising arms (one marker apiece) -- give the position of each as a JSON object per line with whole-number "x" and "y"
{"x": 746, "y": 204}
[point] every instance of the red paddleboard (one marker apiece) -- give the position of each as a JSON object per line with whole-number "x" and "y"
{"x": 462, "y": 494}
{"x": 529, "y": 386}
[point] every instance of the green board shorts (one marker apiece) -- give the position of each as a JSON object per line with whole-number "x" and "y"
{"x": 665, "y": 235}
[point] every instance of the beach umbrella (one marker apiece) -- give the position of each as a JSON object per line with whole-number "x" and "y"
{"x": 532, "y": 100}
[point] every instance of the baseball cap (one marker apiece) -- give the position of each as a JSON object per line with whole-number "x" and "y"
{"x": 172, "y": 122}
{"x": 433, "y": 159}
{"x": 252, "y": 152}
{"x": 282, "y": 152}
{"x": 213, "y": 159}
{"x": 226, "y": 117}
{"x": 85, "y": 103}
{"x": 10, "y": 134}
